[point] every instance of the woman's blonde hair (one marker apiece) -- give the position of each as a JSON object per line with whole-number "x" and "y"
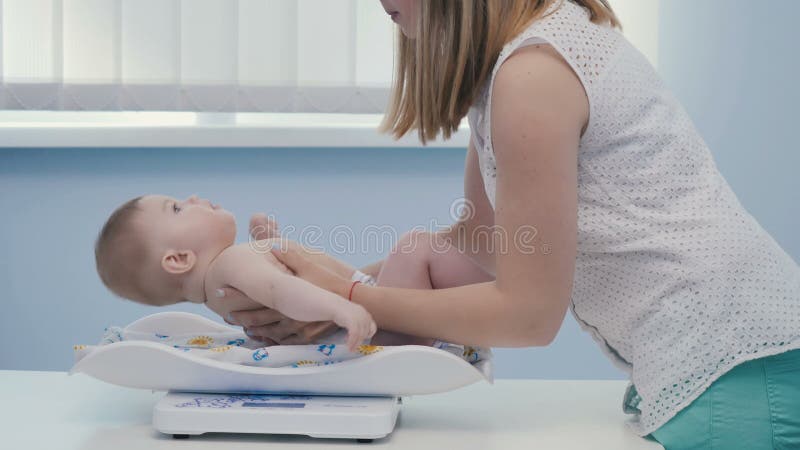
{"x": 438, "y": 74}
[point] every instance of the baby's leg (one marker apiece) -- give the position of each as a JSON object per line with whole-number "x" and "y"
{"x": 417, "y": 262}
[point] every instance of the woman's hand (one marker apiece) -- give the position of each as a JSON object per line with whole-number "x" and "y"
{"x": 272, "y": 327}
{"x": 310, "y": 270}
{"x": 268, "y": 325}
{"x": 316, "y": 268}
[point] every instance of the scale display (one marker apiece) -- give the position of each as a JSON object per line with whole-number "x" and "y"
{"x": 272, "y": 405}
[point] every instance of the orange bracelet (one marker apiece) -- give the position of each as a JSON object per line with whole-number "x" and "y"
{"x": 352, "y": 286}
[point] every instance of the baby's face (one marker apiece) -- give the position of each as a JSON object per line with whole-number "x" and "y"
{"x": 190, "y": 224}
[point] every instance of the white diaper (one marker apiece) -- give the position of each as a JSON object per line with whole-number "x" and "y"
{"x": 362, "y": 277}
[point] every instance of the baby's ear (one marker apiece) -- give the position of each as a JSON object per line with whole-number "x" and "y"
{"x": 178, "y": 261}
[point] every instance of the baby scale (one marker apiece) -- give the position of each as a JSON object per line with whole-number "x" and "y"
{"x": 354, "y": 399}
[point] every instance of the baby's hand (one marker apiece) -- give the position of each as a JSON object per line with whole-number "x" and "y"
{"x": 263, "y": 227}
{"x": 358, "y": 322}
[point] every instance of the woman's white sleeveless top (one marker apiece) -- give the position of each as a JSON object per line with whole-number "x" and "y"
{"x": 674, "y": 279}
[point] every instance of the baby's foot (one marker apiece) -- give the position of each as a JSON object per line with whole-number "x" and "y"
{"x": 263, "y": 227}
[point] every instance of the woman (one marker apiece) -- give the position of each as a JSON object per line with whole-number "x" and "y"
{"x": 575, "y": 137}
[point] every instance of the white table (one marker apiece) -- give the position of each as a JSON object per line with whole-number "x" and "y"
{"x": 50, "y": 410}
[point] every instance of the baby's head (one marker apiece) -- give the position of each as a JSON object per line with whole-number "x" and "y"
{"x": 150, "y": 245}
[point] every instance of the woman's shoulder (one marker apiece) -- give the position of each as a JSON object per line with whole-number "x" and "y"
{"x": 568, "y": 35}
{"x": 529, "y": 57}
{"x": 537, "y": 81}
{"x": 563, "y": 51}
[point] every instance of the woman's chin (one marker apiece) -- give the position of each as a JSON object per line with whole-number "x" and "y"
{"x": 411, "y": 34}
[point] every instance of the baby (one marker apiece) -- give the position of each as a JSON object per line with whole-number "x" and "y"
{"x": 158, "y": 250}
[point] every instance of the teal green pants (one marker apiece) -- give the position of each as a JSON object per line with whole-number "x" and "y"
{"x": 754, "y": 406}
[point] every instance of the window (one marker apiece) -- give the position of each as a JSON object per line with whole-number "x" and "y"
{"x": 329, "y": 56}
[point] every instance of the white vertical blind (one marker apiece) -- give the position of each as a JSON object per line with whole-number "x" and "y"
{"x": 29, "y": 41}
{"x": 267, "y": 42}
{"x": 325, "y": 42}
{"x": 373, "y": 45}
{"x": 90, "y": 41}
{"x": 149, "y": 42}
{"x": 208, "y": 42}
{"x": 213, "y": 55}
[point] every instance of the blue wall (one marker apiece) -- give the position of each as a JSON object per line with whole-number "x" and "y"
{"x": 733, "y": 66}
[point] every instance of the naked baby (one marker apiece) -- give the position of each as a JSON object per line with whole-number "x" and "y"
{"x": 158, "y": 250}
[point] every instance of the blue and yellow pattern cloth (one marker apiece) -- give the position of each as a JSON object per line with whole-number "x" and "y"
{"x": 236, "y": 347}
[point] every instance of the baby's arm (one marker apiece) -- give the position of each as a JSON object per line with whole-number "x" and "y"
{"x": 249, "y": 271}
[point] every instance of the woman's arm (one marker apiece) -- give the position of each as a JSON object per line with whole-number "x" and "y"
{"x": 264, "y": 229}
{"x": 540, "y": 109}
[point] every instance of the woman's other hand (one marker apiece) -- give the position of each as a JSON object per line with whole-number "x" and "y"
{"x": 263, "y": 227}
{"x": 265, "y": 324}
{"x": 310, "y": 270}
{"x": 271, "y": 327}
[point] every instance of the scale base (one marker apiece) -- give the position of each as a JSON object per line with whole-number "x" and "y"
{"x": 186, "y": 414}
{"x": 359, "y": 440}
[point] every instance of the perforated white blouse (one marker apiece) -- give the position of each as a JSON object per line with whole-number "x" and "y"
{"x": 674, "y": 279}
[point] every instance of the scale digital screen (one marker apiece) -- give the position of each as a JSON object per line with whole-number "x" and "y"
{"x": 272, "y": 405}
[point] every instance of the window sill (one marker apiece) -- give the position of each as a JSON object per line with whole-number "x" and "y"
{"x": 190, "y": 129}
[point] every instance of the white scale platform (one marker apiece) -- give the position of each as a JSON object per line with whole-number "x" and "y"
{"x": 354, "y": 399}
{"x": 182, "y": 414}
